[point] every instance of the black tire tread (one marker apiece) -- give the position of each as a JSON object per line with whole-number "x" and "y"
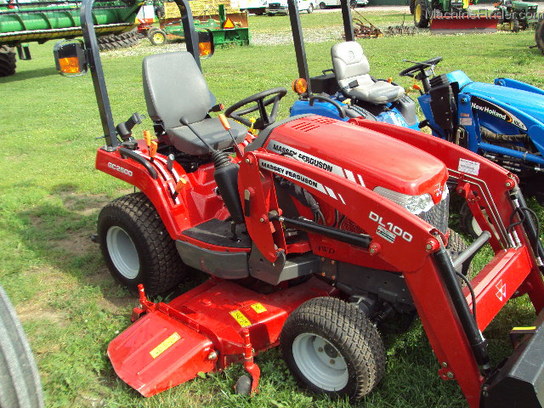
{"x": 165, "y": 268}
{"x": 424, "y": 21}
{"x": 117, "y": 41}
{"x": 20, "y": 385}
{"x": 8, "y": 61}
{"x": 350, "y": 330}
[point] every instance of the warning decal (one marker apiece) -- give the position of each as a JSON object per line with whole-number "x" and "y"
{"x": 165, "y": 345}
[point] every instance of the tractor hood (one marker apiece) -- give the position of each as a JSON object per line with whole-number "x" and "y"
{"x": 360, "y": 155}
{"x": 527, "y": 102}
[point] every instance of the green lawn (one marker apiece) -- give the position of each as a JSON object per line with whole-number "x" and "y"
{"x": 50, "y": 196}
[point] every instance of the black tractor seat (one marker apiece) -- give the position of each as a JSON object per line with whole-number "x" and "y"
{"x": 175, "y": 88}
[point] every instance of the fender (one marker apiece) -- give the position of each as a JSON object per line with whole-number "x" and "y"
{"x": 195, "y": 203}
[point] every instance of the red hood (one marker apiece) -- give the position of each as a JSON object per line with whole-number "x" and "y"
{"x": 360, "y": 155}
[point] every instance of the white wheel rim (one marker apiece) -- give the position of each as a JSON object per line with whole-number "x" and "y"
{"x": 123, "y": 252}
{"x": 476, "y": 227}
{"x": 320, "y": 362}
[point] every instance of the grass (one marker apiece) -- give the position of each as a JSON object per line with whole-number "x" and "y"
{"x": 50, "y": 196}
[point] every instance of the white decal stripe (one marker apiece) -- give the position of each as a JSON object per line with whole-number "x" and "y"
{"x": 361, "y": 180}
{"x": 331, "y": 193}
{"x": 341, "y": 198}
{"x": 349, "y": 175}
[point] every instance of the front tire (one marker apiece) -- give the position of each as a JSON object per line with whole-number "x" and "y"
{"x": 322, "y": 5}
{"x": 157, "y": 36}
{"x": 421, "y": 18}
{"x": 331, "y": 347}
{"x": 310, "y": 9}
{"x": 136, "y": 246}
{"x": 468, "y": 223}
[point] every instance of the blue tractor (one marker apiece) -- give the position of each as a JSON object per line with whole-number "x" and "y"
{"x": 503, "y": 121}
{"x": 348, "y": 90}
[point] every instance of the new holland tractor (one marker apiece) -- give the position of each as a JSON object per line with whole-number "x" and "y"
{"x": 313, "y": 231}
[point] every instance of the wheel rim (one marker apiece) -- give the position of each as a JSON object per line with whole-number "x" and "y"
{"x": 320, "y": 362}
{"x": 158, "y": 38}
{"x": 475, "y": 227}
{"x": 123, "y": 252}
{"x": 417, "y": 13}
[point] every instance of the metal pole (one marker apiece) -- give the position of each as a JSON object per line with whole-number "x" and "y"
{"x": 191, "y": 37}
{"x": 298, "y": 41}
{"x": 97, "y": 73}
{"x": 348, "y": 22}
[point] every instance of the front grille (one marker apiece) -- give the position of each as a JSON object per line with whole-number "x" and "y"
{"x": 438, "y": 215}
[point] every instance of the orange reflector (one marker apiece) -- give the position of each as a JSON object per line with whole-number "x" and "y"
{"x": 300, "y": 86}
{"x": 389, "y": 79}
{"x": 205, "y": 49}
{"x": 69, "y": 65}
{"x": 416, "y": 87}
{"x": 228, "y": 23}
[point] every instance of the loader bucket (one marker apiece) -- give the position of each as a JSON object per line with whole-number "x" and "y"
{"x": 520, "y": 380}
{"x": 463, "y": 23}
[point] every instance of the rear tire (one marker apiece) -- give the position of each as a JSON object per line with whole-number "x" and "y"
{"x": 331, "y": 347}
{"x": 7, "y": 61}
{"x": 322, "y": 5}
{"x": 20, "y": 385}
{"x": 412, "y": 6}
{"x": 421, "y": 18}
{"x": 136, "y": 246}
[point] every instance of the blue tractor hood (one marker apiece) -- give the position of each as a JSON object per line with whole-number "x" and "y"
{"x": 530, "y": 101}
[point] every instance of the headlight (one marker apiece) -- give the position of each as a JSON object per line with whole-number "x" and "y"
{"x": 415, "y": 204}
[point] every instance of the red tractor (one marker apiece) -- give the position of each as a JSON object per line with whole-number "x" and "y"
{"x": 313, "y": 231}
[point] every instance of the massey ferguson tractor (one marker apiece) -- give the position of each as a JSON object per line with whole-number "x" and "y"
{"x": 313, "y": 231}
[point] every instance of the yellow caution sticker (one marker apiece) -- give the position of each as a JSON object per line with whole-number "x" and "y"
{"x": 165, "y": 345}
{"x": 240, "y": 318}
{"x": 529, "y": 328}
{"x": 258, "y": 307}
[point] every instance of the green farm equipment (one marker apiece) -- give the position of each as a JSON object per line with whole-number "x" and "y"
{"x": 516, "y": 15}
{"x": 21, "y": 23}
{"x": 225, "y": 27}
{"x": 451, "y": 16}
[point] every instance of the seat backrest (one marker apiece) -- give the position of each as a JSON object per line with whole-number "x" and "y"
{"x": 174, "y": 87}
{"x": 350, "y": 63}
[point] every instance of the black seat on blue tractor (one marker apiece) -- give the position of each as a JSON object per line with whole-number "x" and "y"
{"x": 175, "y": 88}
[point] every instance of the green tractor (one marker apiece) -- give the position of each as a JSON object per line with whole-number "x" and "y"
{"x": 516, "y": 15}
{"x": 425, "y": 10}
{"x": 24, "y": 22}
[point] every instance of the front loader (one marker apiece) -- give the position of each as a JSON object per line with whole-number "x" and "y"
{"x": 313, "y": 232}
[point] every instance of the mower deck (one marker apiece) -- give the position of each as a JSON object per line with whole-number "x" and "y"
{"x": 204, "y": 330}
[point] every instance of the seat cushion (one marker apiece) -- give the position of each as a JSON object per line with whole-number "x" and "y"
{"x": 211, "y": 130}
{"x": 380, "y": 92}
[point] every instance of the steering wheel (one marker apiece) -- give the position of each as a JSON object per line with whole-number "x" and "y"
{"x": 419, "y": 67}
{"x": 261, "y": 100}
